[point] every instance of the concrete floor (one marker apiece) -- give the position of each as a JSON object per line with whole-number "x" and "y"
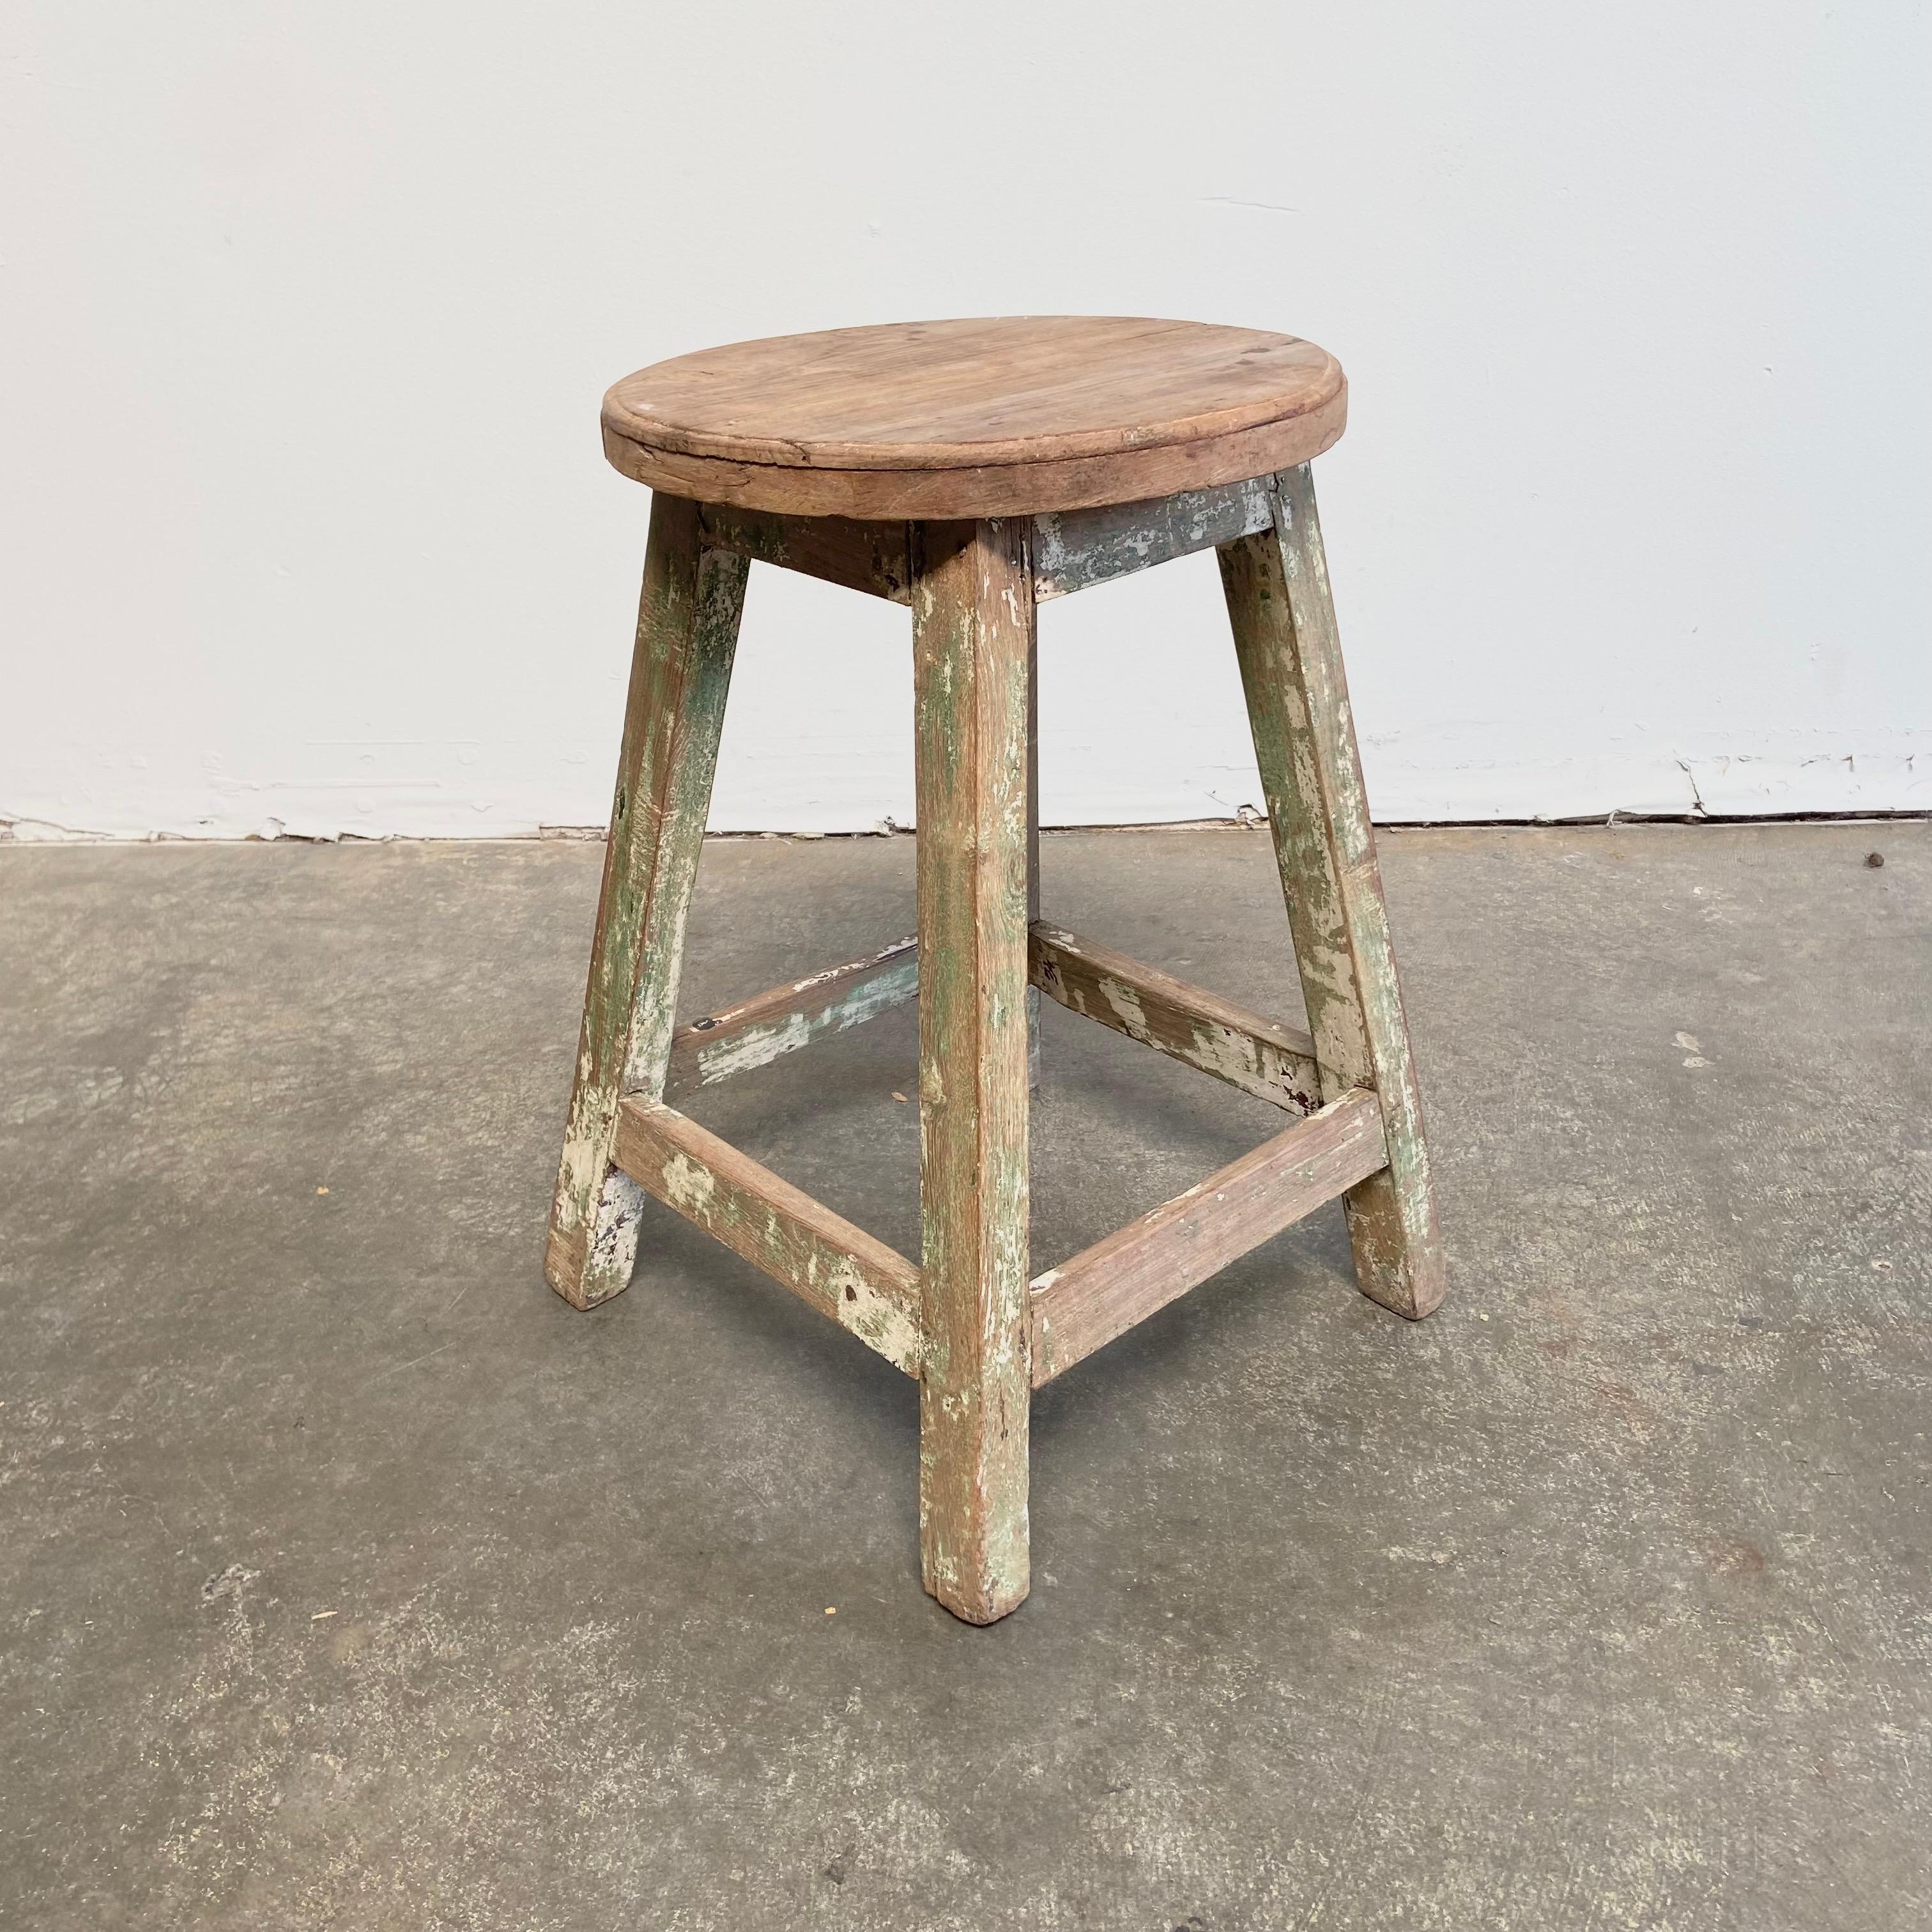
{"x": 349, "y": 1579}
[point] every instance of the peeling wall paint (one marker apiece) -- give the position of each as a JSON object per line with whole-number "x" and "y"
{"x": 304, "y": 527}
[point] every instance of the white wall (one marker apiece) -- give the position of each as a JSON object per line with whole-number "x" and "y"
{"x": 306, "y": 309}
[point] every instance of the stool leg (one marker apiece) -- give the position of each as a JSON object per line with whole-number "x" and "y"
{"x": 687, "y": 634}
{"x": 1032, "y": 843}
{"x": 973, "y": 621}
{"x": 1284, "y": 623}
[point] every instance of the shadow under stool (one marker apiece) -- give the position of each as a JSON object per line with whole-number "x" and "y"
{"x": 971, "y": 470}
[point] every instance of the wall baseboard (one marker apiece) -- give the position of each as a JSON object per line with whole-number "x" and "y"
{"x": 1774, "y": 782}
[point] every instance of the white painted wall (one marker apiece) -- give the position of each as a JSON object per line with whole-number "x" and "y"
{"x": 305, "y": 311}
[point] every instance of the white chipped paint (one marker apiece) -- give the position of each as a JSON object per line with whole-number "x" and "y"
{"x": 1234, "y": 1056}
{"x": 612, "y": 1247}
{"x": 889, "y": 980}
{"x": 688, "y": 1187}
{"x": 737, "y": 1052}
{"x": 1123, "y": 1002}
{"x": 879, "y": 1319}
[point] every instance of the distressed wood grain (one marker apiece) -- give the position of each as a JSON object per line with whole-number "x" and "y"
{"x": 688, "y": 619}
{"x": 973, "y": 622}
{"x": 1073, "y": 549}
{"x": 1260, "y": 1056}
{"x": 871, "y": 557}
{"x": 842, "y": 1270}
{"x": 1290, "y": 662}
{"x": 996, "y": 417}
{"x": 1005, "y": 490}
{"x": 1102, "y": 1292}
{"x": 758, "y": 1031}
{"x": 1033, "y": 842}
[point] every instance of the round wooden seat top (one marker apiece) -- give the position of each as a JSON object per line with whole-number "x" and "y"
{"x": 1009, "y": 416}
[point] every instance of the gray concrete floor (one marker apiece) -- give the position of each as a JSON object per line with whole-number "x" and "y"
{"x": 349, "y": 1578}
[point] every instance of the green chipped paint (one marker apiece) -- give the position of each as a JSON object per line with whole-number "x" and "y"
{"x": 688, "y": 618}
{"x": 1276, "y": 582}
{"x": 973, "y": 622}
{"x": 1199, "y": 1028}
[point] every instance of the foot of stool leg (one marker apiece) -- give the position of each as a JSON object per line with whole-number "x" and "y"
{"x": 1277, "y": 587}
{"x": 973, "y": 619}
{"x": 687, "y": 634}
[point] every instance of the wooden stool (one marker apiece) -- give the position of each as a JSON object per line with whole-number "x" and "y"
{"x": 971, "y": 469}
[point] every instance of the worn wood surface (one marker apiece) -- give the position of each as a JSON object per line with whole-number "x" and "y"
{"x": 688, "y": 620}
{"x": 1072, "y": 549}
{"x": 1005, "y": 490}
{"x": 973, "y": 621}
{"x": 1001, "y": 417}
{"x": 871, "y": 557}
{"x": 1033, "y": 842}
{"x": 1304, "y": 735}
{"x": 1258, "y": 1055}
{"x": 1102, "y": 1292}
{"x": 842, "y": 1270}
{"x": 759, "y": 1029}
